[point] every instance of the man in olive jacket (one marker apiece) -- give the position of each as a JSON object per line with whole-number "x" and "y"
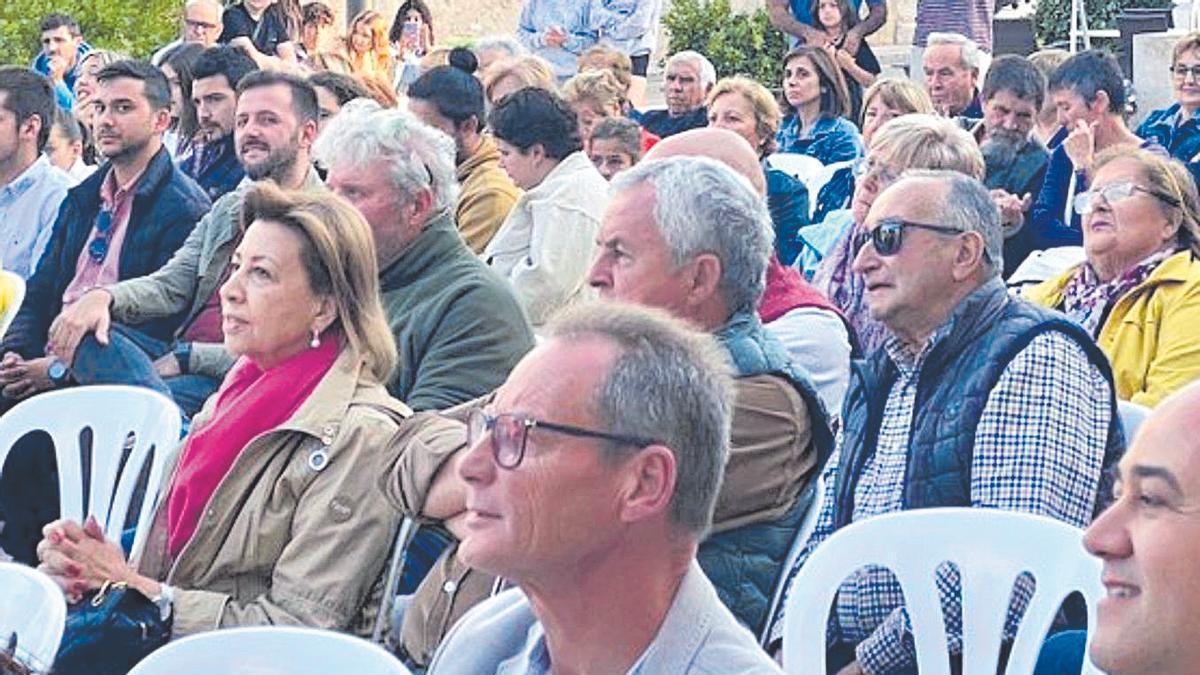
{"x": 458, "y": 325}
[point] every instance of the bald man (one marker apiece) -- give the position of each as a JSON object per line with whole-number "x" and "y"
{"x": 812, "y": 330}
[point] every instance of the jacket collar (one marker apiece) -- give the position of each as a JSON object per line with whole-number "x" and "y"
{"x": 157, "y": 172}
{"x": 432, "y": 246}
{"x": 487, "y": 152}
{"x": 966, "y": 323}
{"x": 1176, "y": 269}
{"x": 322, "y": 413}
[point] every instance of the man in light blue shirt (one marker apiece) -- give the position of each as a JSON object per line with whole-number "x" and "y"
{"x": 31, "y": 188}
{"x": 558, "y": 31}
{"x": 589, "y": 480}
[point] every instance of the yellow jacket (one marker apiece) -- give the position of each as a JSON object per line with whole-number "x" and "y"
{"x": 1152, "y": 334}
{"x": 487, "y": 195}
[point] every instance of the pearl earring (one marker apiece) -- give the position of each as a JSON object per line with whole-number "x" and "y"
{"x": 316, "y": 339}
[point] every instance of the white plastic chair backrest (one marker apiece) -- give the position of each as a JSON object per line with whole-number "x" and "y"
{"x": 10, "y": 312}
{"x": 101, "y": 483}
{"x": 270, "y": 650}
{"x": 32, "y": 606}
{"x": 802, "y": 533}
{"x": 991, "y": 548}
{"x": 819, "y": 181}
{"x": 1132, "y": 416}
{"x": 798, "y": 166}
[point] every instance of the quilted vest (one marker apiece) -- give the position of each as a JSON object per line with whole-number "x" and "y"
{"x": 744, "y": 563}
{"x": 989, "y": 328}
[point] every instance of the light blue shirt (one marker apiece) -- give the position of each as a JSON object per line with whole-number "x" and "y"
{"x": 28, "y": 208}
{"x": 538, "y": 16}
{"x": 699, "y": 635}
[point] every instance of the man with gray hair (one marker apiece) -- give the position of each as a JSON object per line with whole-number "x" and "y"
{"x": 952, "y": 65}
{"x": 591, "y": 478}
{"x": 976, "y": 399}
{"x": 691, "y": 236}
{"x": 493, "y": 48}
{"x": 459, "y": 327}
{"x": 201, "y": 23}
{"x": 689, "y": 77}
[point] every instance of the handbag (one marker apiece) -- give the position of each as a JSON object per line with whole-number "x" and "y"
{"x": 109, "y": 631}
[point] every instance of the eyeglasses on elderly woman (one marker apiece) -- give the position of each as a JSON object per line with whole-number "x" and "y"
{"x": 509, "y": 432}
{"x": 1113, "y": 193}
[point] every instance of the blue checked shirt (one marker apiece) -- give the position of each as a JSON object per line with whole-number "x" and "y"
{"x": 28, "y": 208}
{"x": 1038, "y": 449}
{"x": 1181, "y": 137}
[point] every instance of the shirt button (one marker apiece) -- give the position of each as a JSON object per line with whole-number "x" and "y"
{"x": 450, "y": 586}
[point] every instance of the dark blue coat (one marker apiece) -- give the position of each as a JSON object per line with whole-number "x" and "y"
{"x": 166, "y": 205}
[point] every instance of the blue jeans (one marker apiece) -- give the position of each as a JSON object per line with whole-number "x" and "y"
{"x": 129, "y": 359}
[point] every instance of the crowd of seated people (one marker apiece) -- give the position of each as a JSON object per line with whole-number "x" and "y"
{"x": 609, "y": 357}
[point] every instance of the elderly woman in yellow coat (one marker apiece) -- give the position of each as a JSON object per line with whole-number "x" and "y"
{"x": 1138, "y": 292}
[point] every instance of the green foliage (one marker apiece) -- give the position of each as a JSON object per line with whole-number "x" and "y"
{"x": 135, "y": 27}
{"x": 1052, "y": 19}
{"x": 736, "y": 43}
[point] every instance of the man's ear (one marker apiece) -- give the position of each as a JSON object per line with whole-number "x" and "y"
{"x": 969, "y": 255}
{"x": 649, "y": 483}
{"x": 705, "y": 278}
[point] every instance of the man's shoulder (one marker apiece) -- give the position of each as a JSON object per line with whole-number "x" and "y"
{"x": 486, "y": 636}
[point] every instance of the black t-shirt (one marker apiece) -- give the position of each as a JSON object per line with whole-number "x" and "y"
{"x": 267, "y": 33}
{"x": 237, "y": 23}
{"x": 865, "y": 59}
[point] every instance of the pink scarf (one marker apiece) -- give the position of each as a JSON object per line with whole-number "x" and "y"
{"x": 250, "y": 402}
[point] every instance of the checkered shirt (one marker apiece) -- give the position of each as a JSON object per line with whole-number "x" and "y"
{"x": 1039, "y": 447}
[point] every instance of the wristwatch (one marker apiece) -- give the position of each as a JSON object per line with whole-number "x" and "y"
{"x": 57, "y": 372}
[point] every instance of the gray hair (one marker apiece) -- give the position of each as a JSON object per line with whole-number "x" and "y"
{"x": 505, "y": 43}
{"x": 967, "y": 205}
{"x": 420, "y": 157}
{"x": 969, "y": 51}
{"x": 669, "y": 383}
{"x": 214, "y": 4}
{"x": 703, "y": 206}
{"x": 708, "y": 74}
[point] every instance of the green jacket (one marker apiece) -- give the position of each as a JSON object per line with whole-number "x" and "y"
{"x": 190, "y": 278}
{"x": 459, "y": 328}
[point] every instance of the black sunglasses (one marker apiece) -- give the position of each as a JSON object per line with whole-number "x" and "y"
{"x": 509, "y": 433}
{"x": 888, "y": 235}
{"x": 98, "y": 247}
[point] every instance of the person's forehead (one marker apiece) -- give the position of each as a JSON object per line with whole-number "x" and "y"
{"x": 62, "y": 33}
{"x": 202, "y": 11}
{"x": 943, "y": 55}
{"x": 1189, "y": 56}
{"x": 898, "y": 201}
{"x": 211, "y": 85}
{"x": 121, "y": 87}
{"x": 630, "y": 217}
{"x": 1009, "y": 97}
{"x": 557, "y": 379}
{"x": 1171, "y": 447}
{"x": 272, "y": 97}
{"x": 684, "y": 67}
{"x": 606, "y": 146}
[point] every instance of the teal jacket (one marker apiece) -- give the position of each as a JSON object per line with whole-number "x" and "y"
{"x": 459, "y": 328}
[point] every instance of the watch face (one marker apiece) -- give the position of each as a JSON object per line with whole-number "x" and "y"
{"x": 57, "y": 371}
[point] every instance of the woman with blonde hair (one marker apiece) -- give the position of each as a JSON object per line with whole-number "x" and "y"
{"x": 508, "y": 75}
{"x": 889, "y": 98}
{"x": 748, "y": 109}
{"x": 368, "y": 49}
{"x": 273, "y": 513}
{"x": 596, "y": 95}
{"x": 1138, "y": 291}
{"x": 618, "y": 63}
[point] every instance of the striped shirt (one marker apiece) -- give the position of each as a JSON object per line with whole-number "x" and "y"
{"x": 972, "y": 18}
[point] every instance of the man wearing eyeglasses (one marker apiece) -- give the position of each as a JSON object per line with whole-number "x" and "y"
{"x": 590, "y": 479}
{"x": 976, "y": 399}
{"x": 125, "y": 221}
{"x": 201, "y": 24}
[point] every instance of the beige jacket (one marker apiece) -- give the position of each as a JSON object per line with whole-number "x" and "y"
{"x": 299, "y": 531}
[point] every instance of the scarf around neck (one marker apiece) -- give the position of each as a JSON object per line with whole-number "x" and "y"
{"x": 1086, "y": 299}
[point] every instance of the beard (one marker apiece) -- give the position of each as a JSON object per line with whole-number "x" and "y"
{"x": 1001, "y": 148}
{"x": 127, "y": 149}
{"x": 277, "y": 162}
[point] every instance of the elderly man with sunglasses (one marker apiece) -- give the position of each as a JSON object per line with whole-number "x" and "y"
{"x": 597, "y": 515}
{"x": 975, "y": 399}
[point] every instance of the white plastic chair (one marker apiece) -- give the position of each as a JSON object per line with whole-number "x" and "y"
{"x": 807, "y": 525}
{"x": 101, "y": 483}
{"x": 798, "y": 166}
{"x": 18, "y": 296}
{"x": 270, "y": 650}
{"x": 991, "y": 549}
{"x": 1132, "y": 416}
{"x": 32, "y": 607}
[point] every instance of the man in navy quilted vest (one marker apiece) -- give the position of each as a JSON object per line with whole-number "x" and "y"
{"x": 976, "y": 399}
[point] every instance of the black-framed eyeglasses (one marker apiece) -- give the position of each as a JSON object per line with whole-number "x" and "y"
{"x": 888, "y": 235}
{"x": 1181, "y": 72}
{"x": 1085, "y": 202}
{"x": 98, "y": 247}
{"x": 509, "y": 433}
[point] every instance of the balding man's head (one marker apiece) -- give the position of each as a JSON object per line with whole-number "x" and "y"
{"x": 1149, "y": 540}
{"x": 722, "y": 145}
